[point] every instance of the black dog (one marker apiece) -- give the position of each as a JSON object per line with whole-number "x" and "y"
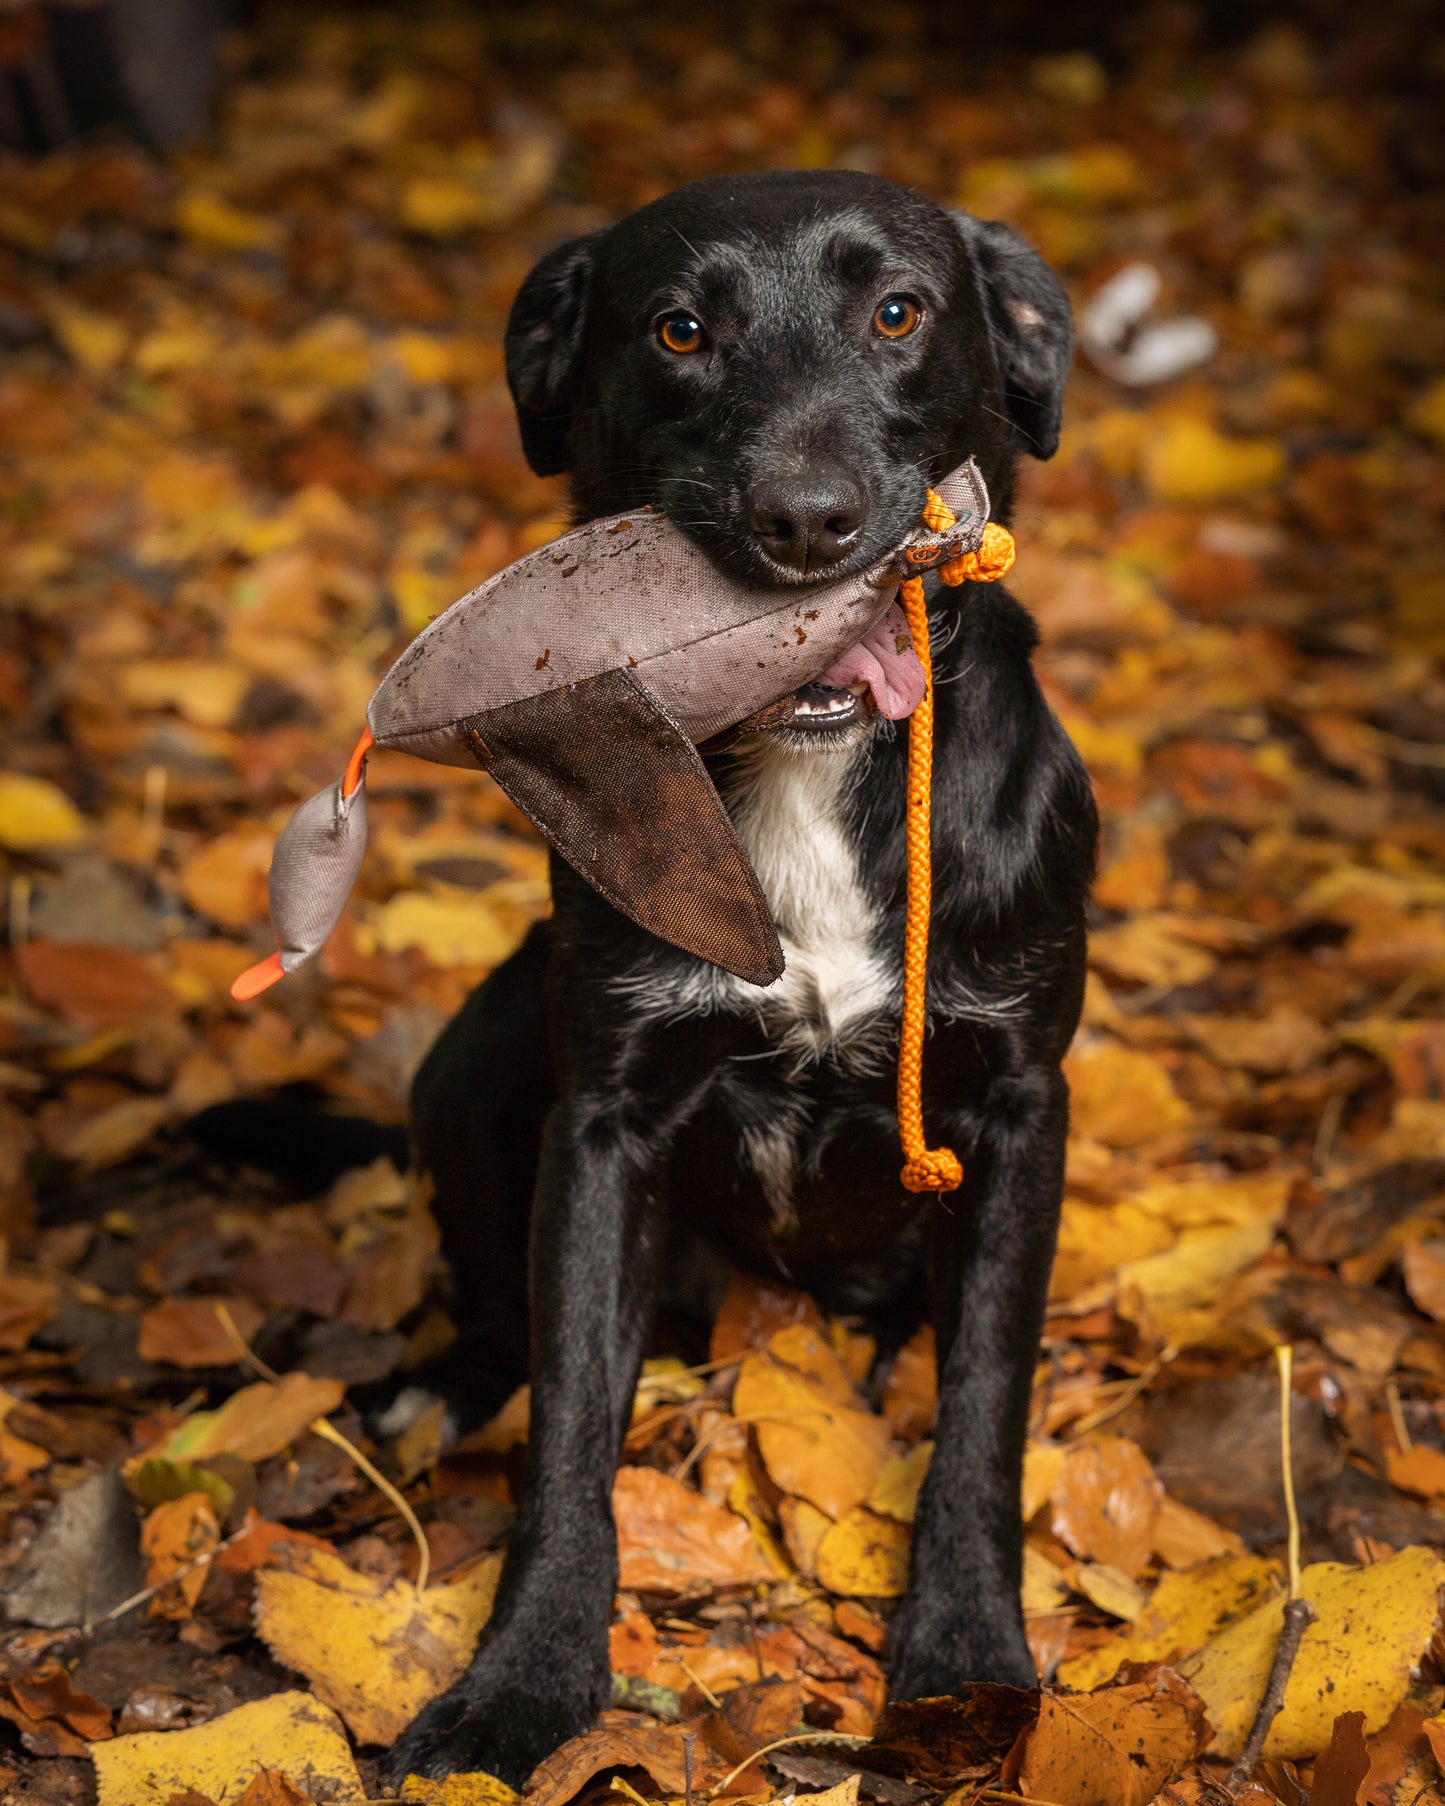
{"x": 782, "y": 362}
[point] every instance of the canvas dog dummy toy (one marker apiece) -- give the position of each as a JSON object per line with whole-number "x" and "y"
{"x": 585, "y": 676}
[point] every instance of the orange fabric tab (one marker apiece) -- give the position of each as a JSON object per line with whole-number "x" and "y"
{"x": 356, "y": 764}
{"x": 257, "y": 978}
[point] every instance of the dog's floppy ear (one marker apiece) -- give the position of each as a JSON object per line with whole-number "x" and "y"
{"x": 1032, "y": 326}
{"x": 544, "y": 345}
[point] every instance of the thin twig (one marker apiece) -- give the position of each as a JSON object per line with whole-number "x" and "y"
{"x": 149, "y": 1592}
{"x": 1299, "y": 1614}
{"x": 1284, "y": 1360}
{"x": 697, "y": 1681}
{"x": 856, "y": 1743}
{"x": 329, "y": 1433}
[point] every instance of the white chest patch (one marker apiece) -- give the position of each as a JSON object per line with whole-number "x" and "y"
{"x": 790, "y": 817}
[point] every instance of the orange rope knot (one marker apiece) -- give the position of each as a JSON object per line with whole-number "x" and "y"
{"x": 993, "y": 559}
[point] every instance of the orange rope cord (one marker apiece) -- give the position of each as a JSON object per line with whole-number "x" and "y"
{"x": 925, "y": 1168}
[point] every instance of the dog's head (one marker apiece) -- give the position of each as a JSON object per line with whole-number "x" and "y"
{"x": 783, "y": 362}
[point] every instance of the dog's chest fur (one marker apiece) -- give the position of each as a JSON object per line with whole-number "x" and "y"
{"x": 791, "y": 815}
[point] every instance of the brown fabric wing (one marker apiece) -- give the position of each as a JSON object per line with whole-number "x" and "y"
{"x": 619, "y": 790}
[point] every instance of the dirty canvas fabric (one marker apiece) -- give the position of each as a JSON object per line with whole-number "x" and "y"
{"x": 583, "y": 677}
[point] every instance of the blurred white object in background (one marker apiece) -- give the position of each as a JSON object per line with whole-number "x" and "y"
{"x": 1117, "y": 340}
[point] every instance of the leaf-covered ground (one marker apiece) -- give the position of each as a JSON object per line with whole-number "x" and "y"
{"x": 253, "y": 433}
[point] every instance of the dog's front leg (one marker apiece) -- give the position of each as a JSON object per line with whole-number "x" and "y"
{"x": 541, "y": 1672}
{"x": 962, "y": 1619}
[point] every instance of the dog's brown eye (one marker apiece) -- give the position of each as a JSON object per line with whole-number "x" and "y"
{"x": 680, "y": 332}
{"x": 896, "y": 317}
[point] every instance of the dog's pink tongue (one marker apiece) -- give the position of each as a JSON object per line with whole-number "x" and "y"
{"x": 884, "y": 660}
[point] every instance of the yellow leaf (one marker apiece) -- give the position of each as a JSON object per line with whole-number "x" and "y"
{"x": 1195, "y": 1203}
{"x": 1121, "y": 1095}
{"x": 441, "y": 207}
{"x": 864, "y": 1556}
{"x": 377, "y": 1654}
{"x": 1044, "y": 1588}
{"x": 219, "y": 225}
{"x": 1371, "y": 1627}
{"x": 1187, "y": 461}
{"x": 289, "y": 1731}
{"x": 35, "y": 814}
{"x": 254, "y": 1423}
{"x": 476, "y": 1789}
{"x": 1183, "y": 1613}
{"x": 95, "y": 341}
{"x": 1043, "y": 1463}
{"x": 1112, "y": 1591}
{"x": 1144, "y": 951}
{"x": 451, "y": 927}
{"x": 812, "y": 1445}
{"x": 204, "y": 691}
{"x": 1198, "y": 1267}
{"x": 895, "y": 1491}
{"x": 1427, "y": 415}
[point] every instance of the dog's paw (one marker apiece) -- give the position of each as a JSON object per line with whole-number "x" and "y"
{"x": 506, "y": 1733}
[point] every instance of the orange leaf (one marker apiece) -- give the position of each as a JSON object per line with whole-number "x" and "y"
{"x": 672, "y": 1540}
{"x": 1106, "y": 1502}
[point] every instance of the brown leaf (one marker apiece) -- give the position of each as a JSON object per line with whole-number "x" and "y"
{"x": 270, "y": 1787}
{"x": 754, "y": 1309}
{"x": 188, "y": 1332}
{"x": 942, "y": 1742}
{"x": 1423, "y": 1264}
{"x": 672, "y": 1540}
{"x": 1106, "y": 1503}
{"x": 755, "y": 1714}
{"x": 1115, "y": 1747}
{"x": 26, "y": 1305}
{"x": 53, "y": 1718}
{"x": 910, "y": 1393}
{"x": 1343, "y": 1763}
{"x": 95, "y": 987}
{"x": 623, "y": 1740}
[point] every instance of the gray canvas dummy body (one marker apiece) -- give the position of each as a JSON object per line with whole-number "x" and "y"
{"x": 583, "y": 677}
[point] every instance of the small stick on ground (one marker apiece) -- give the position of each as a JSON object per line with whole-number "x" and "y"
{"x": 1299, "y": 1614}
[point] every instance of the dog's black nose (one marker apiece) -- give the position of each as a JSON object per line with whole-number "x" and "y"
{"x": 808, "y": 518}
